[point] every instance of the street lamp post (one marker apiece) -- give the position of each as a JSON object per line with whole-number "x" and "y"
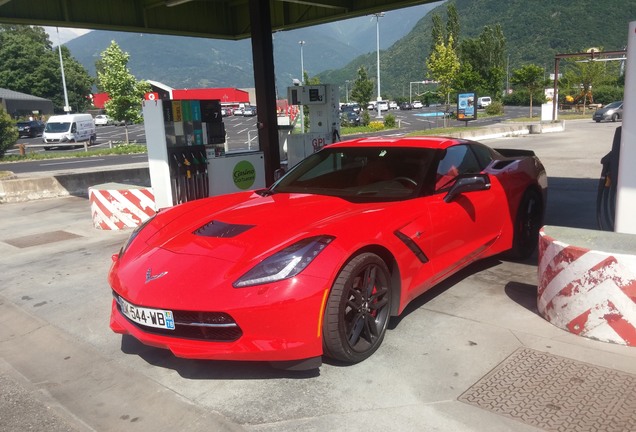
{"x": 302, "y": 81}
{"x": 67, "y": 108}
{"x": 377, "y": 32}
{"x": 347, "y": 91}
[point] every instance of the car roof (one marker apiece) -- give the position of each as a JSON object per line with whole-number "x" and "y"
{"x": 422, "y": 142}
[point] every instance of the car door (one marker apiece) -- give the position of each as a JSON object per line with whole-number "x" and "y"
{"x": 463, "y": 229}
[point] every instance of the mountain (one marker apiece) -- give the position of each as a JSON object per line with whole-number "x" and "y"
{"x": 535, "y": 31}
{"x": 186, "y": 62}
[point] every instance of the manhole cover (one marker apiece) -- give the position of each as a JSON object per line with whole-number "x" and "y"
{"x": 557, "y": 394}
{"x": 41, "y": 239}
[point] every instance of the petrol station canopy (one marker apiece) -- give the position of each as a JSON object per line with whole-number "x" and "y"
{"x": 217, "y": 19}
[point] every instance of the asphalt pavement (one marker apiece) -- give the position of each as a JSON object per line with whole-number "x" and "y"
{"x": 477, "y": 337}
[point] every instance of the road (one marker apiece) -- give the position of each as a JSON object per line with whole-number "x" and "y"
{"x": 242, "y": 134}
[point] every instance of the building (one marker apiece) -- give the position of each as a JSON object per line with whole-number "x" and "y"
{"x": 24, "y": 105}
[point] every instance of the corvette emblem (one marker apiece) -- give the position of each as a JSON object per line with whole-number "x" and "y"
{"x": 151, "y": 277}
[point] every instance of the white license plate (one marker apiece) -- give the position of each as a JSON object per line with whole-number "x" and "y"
{"x": 157, "y": 318}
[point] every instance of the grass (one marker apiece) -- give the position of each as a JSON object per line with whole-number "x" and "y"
{"x": 118, "y": 149}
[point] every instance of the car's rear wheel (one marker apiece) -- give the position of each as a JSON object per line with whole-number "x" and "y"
{"x": 527, "y": 225}
{"x": 614, "y": 117}
{"x": 358, "y": 309}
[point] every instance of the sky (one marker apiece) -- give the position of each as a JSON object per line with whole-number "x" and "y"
{"x": 66, "y": 34}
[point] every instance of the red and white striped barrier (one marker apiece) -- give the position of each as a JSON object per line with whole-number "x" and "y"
{"x": 119, "y": 206}
{"x": 588, "y": 292}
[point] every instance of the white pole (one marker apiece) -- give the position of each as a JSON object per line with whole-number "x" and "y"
{"x": 626, "y": 187}
{"x": 377, "y": 32}
{"x": 67, "y": 108}
{"x": 302, "y": 82}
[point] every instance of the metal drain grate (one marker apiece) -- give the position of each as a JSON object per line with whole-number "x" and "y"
{"x": 557, "y": 394}
{"x": 41, "y": 239}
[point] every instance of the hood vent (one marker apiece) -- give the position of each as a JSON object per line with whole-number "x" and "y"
{"x": 221, "y": 229}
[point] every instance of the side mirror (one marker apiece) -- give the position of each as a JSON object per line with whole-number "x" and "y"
{"x": 468, "y": 183}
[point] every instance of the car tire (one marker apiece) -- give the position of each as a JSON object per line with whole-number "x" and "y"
{"x": 598, "y": 121}
{"x": 357, "y": 313}
{"x": 528, "y": 222}
{"x": 92, "y": 140}
{"x": 614, "y": 117}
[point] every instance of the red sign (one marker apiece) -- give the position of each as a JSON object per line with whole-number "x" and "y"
{"x": 152, "y": 96}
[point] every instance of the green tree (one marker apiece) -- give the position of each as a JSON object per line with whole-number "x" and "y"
{"x": 124, "y": 91}
{"x": 486, "y": 57}
{"x": 443, "y": 67}
{"x": 529, "y": 77}
{"x": 362, "y": 90}
{"x": 29, "y": 64}
{"x": 8, "y": 132}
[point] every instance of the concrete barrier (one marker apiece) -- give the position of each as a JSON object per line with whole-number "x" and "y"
{"x": 116, "y": 206}
{"x": 587, "y": 283}
{"x": 34, "y": 187}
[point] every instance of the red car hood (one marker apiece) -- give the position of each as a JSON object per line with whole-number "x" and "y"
{"x": 244, "y": 227}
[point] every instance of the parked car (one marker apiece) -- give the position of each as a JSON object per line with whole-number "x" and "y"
{"x": 612, "y": 111}
{"x": 417, "y": 105}
{"x": 483, "y": 101}
{"x": 406, "y": 106}
{"x": 350, "y": 118}
{"x": 341, "y": 243}
{"x": 249, "y": 111}
{"x": 103, "y": 120}
{"x": 30, "y": 128}
{"x": 382, "y": 106}
{"x": 393, "y": 105}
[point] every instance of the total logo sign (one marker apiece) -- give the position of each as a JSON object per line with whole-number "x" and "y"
{"x": 244, "y": 175}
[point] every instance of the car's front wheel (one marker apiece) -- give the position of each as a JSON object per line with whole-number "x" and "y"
{"x": 358, "y": 309}
{"x": 614, "y": 117}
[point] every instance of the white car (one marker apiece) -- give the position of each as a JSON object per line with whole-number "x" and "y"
{"x": 393, "y": 105}
{"x": 417, "y": 105}
{"x": 382, "y": 106}
{"x": 102, "y": 120}
{"x": 483, "y": 101}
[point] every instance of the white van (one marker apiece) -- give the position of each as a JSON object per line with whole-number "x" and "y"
{"x": 483, "y": 101}
{"x": 69, "y": 128}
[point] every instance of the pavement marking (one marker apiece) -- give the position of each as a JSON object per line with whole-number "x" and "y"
{"x": 71, "y": 162}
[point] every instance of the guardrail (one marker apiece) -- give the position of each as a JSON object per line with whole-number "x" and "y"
{"x": 22, "y": 147}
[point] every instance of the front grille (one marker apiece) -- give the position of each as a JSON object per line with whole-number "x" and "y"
{"x": 197, "y": 325}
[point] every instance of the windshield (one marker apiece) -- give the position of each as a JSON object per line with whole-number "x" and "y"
{"x": 57, "y": 127}
{"x": 363, "y": 174}
{"x": 613, "y": 105}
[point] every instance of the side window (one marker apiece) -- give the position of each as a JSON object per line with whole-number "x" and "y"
{"x": 484, "y": 157}
{"x": 457, "y": 160}
{"x": 73, "y": 128}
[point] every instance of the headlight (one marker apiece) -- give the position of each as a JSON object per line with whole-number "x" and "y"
{"x": 134, "y": 234}
{"x": 286, "y": 263}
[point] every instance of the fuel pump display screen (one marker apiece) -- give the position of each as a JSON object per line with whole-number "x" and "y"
{"x": 314, "y": 95}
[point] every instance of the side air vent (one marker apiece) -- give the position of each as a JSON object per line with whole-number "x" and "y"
{"x": 499, "y": 165}
{"x": 221, "y": 229}
{"x": 412, "y": 246}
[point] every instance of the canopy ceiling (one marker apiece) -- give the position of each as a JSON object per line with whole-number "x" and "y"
{"x": 217, "y": 19}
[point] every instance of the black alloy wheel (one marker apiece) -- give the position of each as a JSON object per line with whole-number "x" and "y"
{"x": 358, "y": 309}
{"x": 527, "y": 225}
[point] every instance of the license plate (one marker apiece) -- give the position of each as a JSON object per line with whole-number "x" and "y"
{"x": 157, "y": 318}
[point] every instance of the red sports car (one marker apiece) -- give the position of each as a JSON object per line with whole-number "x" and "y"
{"x": 317, "y": 263}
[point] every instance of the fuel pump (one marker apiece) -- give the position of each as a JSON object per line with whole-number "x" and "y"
{"x": 179, "y": 135}
{"x": 323, "y": 118}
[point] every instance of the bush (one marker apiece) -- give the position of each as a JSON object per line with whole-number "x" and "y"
{"x": 376, "y": 125}
{"x": 522, "y": 98}
{"x": 608, "y": 94}
{"x": 389, "y": 121}
{"x": 8, "y": 132}
{"x": 495, "y": 108}
{"x": 365, "y": 118}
